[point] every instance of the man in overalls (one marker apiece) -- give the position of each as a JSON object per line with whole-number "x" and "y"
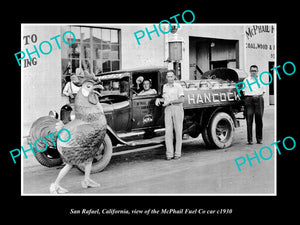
{"x": 173, "y": 98}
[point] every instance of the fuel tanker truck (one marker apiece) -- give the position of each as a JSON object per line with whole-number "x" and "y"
{"x": 135, "y": 123}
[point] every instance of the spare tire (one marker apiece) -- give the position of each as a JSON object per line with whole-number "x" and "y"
{"x": 40, "y": 129}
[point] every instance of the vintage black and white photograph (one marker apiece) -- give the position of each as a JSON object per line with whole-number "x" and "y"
{"x": 149, "y": 108}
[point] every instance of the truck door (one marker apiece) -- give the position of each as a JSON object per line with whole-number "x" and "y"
{"x": 121, "y": 116}
{"x": 145, "y": 114}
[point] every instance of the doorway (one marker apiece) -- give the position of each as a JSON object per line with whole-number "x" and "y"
{"x": 210, "y": 53}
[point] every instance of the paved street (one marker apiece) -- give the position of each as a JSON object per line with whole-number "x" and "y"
{"x": 199, "y": 171}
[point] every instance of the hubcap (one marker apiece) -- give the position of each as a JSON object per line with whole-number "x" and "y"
{"x": 223, "y": 130}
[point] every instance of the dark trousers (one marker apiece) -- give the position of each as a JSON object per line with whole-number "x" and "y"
{"x": 254, "y": 106}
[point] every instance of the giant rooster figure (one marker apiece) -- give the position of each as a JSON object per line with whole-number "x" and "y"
{"x": 87, "y": 133}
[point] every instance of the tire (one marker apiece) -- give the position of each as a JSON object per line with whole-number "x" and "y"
{"x": 103, "y": 158}
{"x": 206, "y": 138}
{"x": 39, "y": 129}
{"x": 221, "y": 130}
{"x": 49, "y": 158}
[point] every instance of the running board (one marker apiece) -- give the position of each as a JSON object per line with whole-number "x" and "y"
{"x": 137, "y": 150}
{"x": 118, "y": 150}
{"x": 139, "y": 140}
{"x": 151, "y": 141}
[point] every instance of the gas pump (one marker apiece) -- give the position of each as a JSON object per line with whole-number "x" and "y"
{"x": 175, "y": 45}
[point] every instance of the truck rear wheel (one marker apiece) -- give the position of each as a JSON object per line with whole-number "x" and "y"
{"x": 102, "y": 158}
{"x": 206, "y": 138}
{"x": 220, "y": 130}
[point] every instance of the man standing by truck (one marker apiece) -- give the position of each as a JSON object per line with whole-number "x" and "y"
{"x": 254, "y": 103}
{"x": 173, "y": 98}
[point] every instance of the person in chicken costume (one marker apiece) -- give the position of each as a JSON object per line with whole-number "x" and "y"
{"x": 87, "y": 132}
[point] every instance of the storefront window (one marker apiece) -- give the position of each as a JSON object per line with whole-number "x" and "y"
{"x": 96, "y": 50}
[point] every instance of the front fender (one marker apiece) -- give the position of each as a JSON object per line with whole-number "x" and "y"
{"x": 115, "y": 139}
{"x": 65, "y": 117}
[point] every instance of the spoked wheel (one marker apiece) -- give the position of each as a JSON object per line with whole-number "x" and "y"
{"x": 220, "y": 130}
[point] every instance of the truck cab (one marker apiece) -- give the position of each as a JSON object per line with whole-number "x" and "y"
{"x": 125, "y": 108}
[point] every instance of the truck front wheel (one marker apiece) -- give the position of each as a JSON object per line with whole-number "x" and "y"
{"x": 220, "y": 130}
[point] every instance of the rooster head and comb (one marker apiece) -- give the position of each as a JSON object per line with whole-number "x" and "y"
{"x": 88, "y": 83}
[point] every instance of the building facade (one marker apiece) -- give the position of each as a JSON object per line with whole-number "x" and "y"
{"x": 56, "y": 54}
